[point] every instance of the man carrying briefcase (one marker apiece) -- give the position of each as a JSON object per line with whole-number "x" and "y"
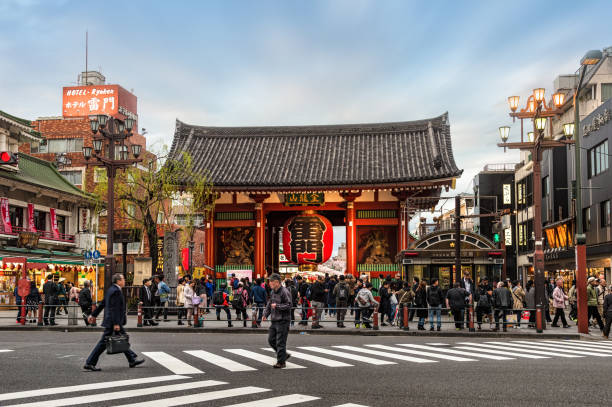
{"x": 114, "y": 319}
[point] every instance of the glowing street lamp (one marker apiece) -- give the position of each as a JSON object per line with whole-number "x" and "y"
{"x": 504, "y": 131}
{"x": 513, "y": 101}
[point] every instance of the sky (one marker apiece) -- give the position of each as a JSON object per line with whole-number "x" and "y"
{"x": 236, "y": 63}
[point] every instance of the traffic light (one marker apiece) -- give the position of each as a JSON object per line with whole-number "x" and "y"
{"x": 8, "y": 158}
{"x": 496, "y": 237}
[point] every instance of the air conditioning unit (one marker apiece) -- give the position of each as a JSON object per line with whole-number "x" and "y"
{"x": 498, "y": 261}
{"x": 407, "y": 261}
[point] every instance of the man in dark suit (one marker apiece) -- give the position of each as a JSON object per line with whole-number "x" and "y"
{"x": 50, "y": 291}
{"x": 468, "y": 285}
{"x": 146, "y": 297}
{"x": 114, "y": 319}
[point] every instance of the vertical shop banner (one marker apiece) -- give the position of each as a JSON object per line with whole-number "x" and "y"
{"x": 6, "y": 217}
{"x": 53, "y": 218}
{"x": 31, "y": 227}
{"x": 185, "y": 259}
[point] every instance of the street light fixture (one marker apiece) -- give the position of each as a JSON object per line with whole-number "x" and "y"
{"x": 530, "y": 137}
{"x": 504, "y": 131}
{"x": 540, "y": 123}
{"x": 568, "y": 130}
{"x": 558, "y": 99}
{"x": 115, "y": 132}
{"x": 538, "y": 94}
{"x": 513, "y": 101}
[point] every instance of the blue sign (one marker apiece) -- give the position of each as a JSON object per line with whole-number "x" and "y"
{"x": 96, "y": 254}
{"x": 87, "y": 254}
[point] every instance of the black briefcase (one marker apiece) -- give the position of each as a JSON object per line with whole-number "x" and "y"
{"x": 117, "y": 344}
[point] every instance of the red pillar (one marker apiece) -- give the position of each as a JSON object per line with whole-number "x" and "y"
{"x": 260, "y": 234}
{"x": 581, "y": 289}
{"x": 351, "y": 233}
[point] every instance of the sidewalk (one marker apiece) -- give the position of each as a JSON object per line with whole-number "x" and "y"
{"x": 211, "y": 325}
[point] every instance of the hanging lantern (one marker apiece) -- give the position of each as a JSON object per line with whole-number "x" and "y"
{"x": 308, "y": 238}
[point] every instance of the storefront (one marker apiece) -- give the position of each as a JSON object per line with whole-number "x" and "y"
{"x": 433, "y": 257}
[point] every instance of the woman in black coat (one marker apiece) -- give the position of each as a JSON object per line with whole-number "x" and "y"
{"x": 385, "y": 303}
{"x": 32, "y": 301}
{"x": 420, "y": 302}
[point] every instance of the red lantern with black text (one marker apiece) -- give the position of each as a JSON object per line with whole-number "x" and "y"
{"x": 308, "y": 238}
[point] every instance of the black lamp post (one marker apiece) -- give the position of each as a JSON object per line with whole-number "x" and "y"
{"x": 113, "y": 133}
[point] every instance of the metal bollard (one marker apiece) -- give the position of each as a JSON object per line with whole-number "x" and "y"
{"x": 196, "y": 316}
{"x": 40, "y": 313}
{"x": 315, "y": 322}
{"x": 539, "y": 318}
{"x": 471, "y": 316}
{"x": 405, "y": 318}
{"x": 375, "y": 320}
{"x": 139, "y": 323}
{"x": 254, "y": 318}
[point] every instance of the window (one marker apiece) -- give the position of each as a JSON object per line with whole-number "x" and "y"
{"x": 40, "y": 220}
{"x": 184, "y": 220}
{"x": 597, "y": 159}
{"x": 606, "y": 91}
{"x": 65, "y": 145}
{"x": 16, "y": 215}
{"x": 605, "y": 213}
{"x": 201, "y": 247}
{"x": 99, "y": 174}
{"x": 75, "y": 177}
{"x": 61, "y": 224}
{"x": 545, "y": 186}
{"x": 586, "y": 219}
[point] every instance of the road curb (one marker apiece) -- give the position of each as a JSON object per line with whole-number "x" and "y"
{"x": 349, "y": 332}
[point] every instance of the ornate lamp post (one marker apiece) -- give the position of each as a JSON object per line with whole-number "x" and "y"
{"x": 538, "y": 111}
{"x": 111, "y": 152}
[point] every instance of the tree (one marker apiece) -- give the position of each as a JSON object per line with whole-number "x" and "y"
{"x": 146, "y": 193}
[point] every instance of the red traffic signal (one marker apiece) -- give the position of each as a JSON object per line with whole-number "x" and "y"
{"x": 8, "y": 158}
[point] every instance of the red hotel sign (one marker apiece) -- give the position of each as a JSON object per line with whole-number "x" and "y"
{"x": 98, "y": 99}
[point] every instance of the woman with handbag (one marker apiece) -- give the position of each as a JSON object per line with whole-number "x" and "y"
{"x": 180, "y": 300}
{"x": 189, "y": 296}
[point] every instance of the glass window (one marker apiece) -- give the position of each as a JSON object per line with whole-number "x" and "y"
{"x": 66, "y": 145}
{"x": 40, "y": 220}
{"x": 605, "y": 213}
{"x": 61, "y": 224}
{"x": 16, "y": 215}
{"x": 545, "y": 186}
{"x": 606, "y": 91}
{"x": 75, "y": 176}
{"x": 597, "y": 159}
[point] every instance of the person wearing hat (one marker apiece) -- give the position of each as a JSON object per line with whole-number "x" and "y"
{"x": 278, "y": 310}
{"x": 592, "y": 302}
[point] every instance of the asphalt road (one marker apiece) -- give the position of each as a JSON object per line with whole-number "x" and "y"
{"x": 567, "y": 373}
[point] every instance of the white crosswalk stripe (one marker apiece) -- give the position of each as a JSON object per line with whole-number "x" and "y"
{"x": 385, "y": 354}
{"x": 352, "y": 356}
{"x": 260, "y": 358}
{"x": 350, "y": 405}
{"x": 540, "y": 345}
{"x": 593, "y": 345}
{"x": 578, "y": 347}
{"x": 171, "y": 363}
{"x": 95, "y": 398}
{"x": 499, "y": 351}
{"x": 529, "y": 349}
{"x": 277, "y": 401}
{"x": 199, "y": 397}
{"x": 220, "y": 361}
{"x": 5, "y": 350}
{"x": 456, "y": 352}
{"x": 600, "y": 343}
{"x": 88, "y": 387}
{"x": 423, "y": 353}
{"x": 315, "y": 359}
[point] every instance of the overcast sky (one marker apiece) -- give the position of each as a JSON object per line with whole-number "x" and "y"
{"x": 302, "y": 62}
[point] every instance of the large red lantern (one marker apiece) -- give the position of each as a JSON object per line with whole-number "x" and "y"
{"x": 308, "y": 238}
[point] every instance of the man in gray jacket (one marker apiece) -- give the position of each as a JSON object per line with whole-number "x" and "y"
{"x": 279, "y": 310}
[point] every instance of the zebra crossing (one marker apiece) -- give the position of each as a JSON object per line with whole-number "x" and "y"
{"x": 173, "y": 390}
{"x": 242, "y": 360}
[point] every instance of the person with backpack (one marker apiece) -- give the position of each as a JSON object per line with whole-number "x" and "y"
{"x": 260, "y": 298}
{"x": 341, "y": 294}
{"x": 239, "y": 302}
{"x": 435, "y": 299}
{"x": 318, "y": 301}
{"x": 367, "y": 304}
{"x": 455, "y": 300}
{"x": 502, "y": 300}
{"x": 220, "y": 300}
{"x": 331, "y": 298}
{"x": 482, "y": 297}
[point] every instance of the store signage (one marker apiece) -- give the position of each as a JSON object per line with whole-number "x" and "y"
{"x": 597, "y": 122}
{"x": 31, "y": 226}
{"x": 508, "y": 236}
{"x": 160, "y": 255}
{"x": 84, "y": 219}
{"x": 308, "y": 239}
{"x": 101, "y": 246}
{"x": 507, "y": 188}
{"x": 6, "y": 216}
{"x": 28, "y": 240}
{"x": 53, "y": 219}
{"x": 305, "y": 199}
{"x": 111, "y": 100}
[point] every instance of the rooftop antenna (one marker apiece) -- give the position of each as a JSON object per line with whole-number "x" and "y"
{"x": 86, "y": 54}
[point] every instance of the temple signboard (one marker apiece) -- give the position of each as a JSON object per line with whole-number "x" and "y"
{"x": 305, "y": 199}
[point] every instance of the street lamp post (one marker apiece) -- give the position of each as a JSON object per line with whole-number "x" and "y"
{"x": 111, "y": 133}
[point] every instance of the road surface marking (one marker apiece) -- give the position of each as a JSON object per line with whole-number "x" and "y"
{"x": 528, "y": 349}
{"x": 456, "y": 352}
{"x": 593, "y": 345}
{"x": 350, "y": 405}
{"x": 277, "y": 401}
{"x": 171, "y": 363}
{"x": 559, "y": 348}
{"x": 352, "y": 356}
{"x": 578, "y": 347}
{"x": 497, "y": 351}
{"x": 385, "y": 354}
{"x": 438, "y": 344}
{"x": 198, "y": 397}
{"x": 5, "y": 350}
{"x": 315, "y": 359}
{"x": 146, "y": 391}
{"x": 605, "y": 344}
{"x": 85, "y": 387}
{"x": 423, "y": 353}
{"x": 261, "y": 358}
{"x": 220, "y": 361}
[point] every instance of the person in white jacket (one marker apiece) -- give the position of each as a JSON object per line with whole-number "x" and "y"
{"x": 188, "y": 293}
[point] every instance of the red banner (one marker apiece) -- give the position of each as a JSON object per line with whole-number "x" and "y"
{"x": 31, "y": 227}
{"x": 6, "y": 217}
{"x": 53, "y": 219}
{"x": 185, "y": 258}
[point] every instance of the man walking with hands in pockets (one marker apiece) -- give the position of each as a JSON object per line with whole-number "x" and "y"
{"x": 278, "y": 310}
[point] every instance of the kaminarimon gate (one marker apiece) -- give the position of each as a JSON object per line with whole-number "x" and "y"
{"x": 294, "y": 183}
